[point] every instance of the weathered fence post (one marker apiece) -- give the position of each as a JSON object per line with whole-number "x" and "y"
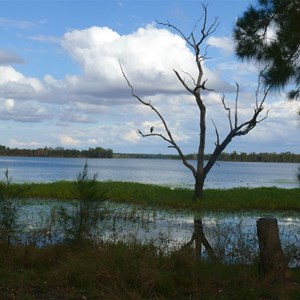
{"x": 272, "y": 261}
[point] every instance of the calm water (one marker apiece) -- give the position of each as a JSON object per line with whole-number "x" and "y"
{"x": 155, "y": 171}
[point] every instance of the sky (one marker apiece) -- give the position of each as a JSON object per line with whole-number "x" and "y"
{"x": 61, "y": 84}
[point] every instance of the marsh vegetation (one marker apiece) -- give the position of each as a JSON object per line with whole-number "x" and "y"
{"x": 116, "y": 240}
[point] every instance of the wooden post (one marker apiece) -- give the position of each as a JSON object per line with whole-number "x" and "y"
{"x": 272, "y": 261}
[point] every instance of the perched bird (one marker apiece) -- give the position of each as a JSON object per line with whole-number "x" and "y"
{"x": 151, "y": 129}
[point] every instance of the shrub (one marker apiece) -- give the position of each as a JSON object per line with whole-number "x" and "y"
{"x": 80, "y": 220}
{"x": 9, "y": 205}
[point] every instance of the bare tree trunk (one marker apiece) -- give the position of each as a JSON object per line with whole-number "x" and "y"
{"x": 272, "y": 261}
{"x": 199, "y": 184}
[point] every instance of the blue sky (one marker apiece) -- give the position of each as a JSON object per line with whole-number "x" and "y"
{"x": 61, "y": 85}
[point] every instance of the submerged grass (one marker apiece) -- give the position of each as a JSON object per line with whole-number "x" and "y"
{"x": 237, "y": 199}
{"x": 129, "y": 271}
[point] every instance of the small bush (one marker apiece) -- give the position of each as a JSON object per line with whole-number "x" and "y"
{"x": 80, "y": 221}
{"x": 9, "y": 205}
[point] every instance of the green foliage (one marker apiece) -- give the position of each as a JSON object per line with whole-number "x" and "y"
{"x": 281, "y": 51}
{"x": 80, "y": 221}
{"x": 9, "y": 205}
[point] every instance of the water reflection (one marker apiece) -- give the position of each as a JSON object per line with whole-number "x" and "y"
{"x": 228, "y": 237}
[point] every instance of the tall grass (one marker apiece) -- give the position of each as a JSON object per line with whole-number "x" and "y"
{"x": 128, "y": 271}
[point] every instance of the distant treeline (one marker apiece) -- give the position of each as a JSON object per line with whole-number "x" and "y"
{"x": 286, "y": 157}
{"x": 143, "y": 155}
{"x": 234, "y": 156}
{"x": 97, "y": 152}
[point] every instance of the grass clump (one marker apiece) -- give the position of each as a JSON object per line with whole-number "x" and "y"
{"x": 128, "y": 271}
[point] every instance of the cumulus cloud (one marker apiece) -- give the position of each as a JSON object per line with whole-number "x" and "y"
{"x": 147, "y": 55}
{"x": 15, "y": 85}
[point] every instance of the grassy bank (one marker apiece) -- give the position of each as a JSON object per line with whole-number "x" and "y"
{"x": 152, "y": 195}
{"x": 134, "y": 271}
{"x": 131, "y": 269}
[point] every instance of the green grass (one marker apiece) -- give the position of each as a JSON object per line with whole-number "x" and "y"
{"x": 237, "y": 199}
{"x": 141, "y": 271}
{"x": 129, "y": 271}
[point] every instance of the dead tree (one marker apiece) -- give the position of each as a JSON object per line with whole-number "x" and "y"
{"x": 273, "y": 264}
{"x": 196, "y": 89}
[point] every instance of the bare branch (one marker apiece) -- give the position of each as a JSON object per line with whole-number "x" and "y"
{"x": 237, "y": 130}
{"x": 267, "y": 114}
{"x": 168, "y": 24}
{"x": 236, "y": 101}
{"x": 217, "y": 134}
{"x": 183, "y": 82}
{"x": 155, "y": 134}
{"x": 202, "y": 86}
{"x": 228, "y": 110}
{"x": 204, "y": 31}
{"x": 170, "y": 139}
{"x": 188, "y": 74}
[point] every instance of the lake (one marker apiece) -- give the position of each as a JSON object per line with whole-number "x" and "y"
{"x": 154, "y": 171}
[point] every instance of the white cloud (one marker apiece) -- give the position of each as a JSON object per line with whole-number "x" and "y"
{"x": 45, "y": 38}
{"x": 96, "y": 106}
{"x": 9, "y": 104}
{"x": 68, "y": 140}
{"x": 148, "y": 57}
{"x": 131, "y": 136}
{"x": 92, "y": 141}
{"x": 25, "y": 111}
{"x": 15, "y": 84}
{"x": 17, "y": 144}
{"x": 224, "y": 43}
{"x": 16, "y": 23}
